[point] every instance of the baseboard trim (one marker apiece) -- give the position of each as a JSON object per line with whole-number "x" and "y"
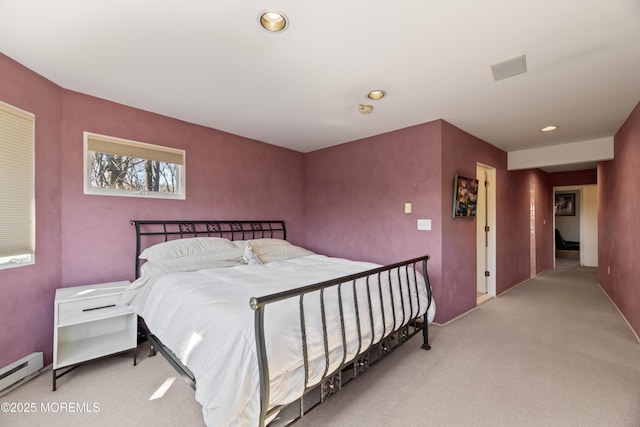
{"x": 25, "y": 380}
{"x": 459, "y": 316}
{"x": 621, "y": 314}
{"x": 499, "y": 295}
{"x": 524, "y": 281}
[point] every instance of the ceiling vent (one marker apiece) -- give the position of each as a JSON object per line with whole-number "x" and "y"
{"x": 509, "y": 68}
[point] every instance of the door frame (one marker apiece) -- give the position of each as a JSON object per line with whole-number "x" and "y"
{"x": 490, "y": 206}
{"x": 587, "y": 243}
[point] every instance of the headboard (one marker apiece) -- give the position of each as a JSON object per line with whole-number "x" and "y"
{"x": 150, "y": 232}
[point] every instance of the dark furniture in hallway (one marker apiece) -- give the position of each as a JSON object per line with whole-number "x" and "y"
{"x": 564, "y": 245}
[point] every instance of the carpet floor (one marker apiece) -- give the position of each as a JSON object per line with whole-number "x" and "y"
{"x": 553, "y": 351}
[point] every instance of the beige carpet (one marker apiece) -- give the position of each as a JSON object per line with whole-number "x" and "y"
{"x": 551, "y": 352}
{"x": 123, "y": 394}
{"x": 481, "y": 298}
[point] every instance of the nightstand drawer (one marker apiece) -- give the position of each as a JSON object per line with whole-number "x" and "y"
{"x": 74, "y": 311}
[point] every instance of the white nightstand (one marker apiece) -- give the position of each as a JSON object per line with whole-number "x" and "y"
{"x": 89, "y": 323}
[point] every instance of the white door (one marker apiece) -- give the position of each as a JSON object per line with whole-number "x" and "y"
{"x": 481, "y": 233}
{"x": 486, "y": 230}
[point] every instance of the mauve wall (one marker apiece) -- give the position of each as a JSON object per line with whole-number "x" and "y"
{"x": 228, "y": 177}
{"x": 355, "y": 195}
{"x": 545, "y": 233}
{"x": 514, "y": 245}
{"x": 26, "y": 306}
{"x": 583, "y": 177}
{"x": 87, "y": 239}
{"x": 618, "y": 225}
{"x": 461, "y": 153}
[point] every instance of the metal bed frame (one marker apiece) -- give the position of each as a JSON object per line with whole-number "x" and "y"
{"x": 369, "y": 352}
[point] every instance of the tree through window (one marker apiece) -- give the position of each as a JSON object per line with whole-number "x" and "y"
{"x": 121, "y": 167}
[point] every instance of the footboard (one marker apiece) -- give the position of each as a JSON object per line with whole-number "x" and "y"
{"x": 398, "y": 284}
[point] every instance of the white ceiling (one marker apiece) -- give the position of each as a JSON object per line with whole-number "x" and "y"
{"x": 208, "y": 62}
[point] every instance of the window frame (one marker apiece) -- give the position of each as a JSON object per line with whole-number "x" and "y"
{"x": 163, "y": 151}
{"x": 18, "y": 260}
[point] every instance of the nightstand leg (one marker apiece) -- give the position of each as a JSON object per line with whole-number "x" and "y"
{"x": 56, "y": 376}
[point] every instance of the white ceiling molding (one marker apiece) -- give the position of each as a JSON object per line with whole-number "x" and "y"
{"x": 584, "y": 152}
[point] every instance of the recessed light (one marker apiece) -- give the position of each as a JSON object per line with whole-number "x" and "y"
{"x": 376, "y": 94}
{"x": 273, "y": 21}
{"x": 548, "y": 128}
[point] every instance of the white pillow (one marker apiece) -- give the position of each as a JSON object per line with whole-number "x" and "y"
{"x": 181, "y": 247}
{"x": 270, "y": 250}
{"x": 281, "y": 253}
{"x": 255, "y": 243}
{"x": 194, "y": 262}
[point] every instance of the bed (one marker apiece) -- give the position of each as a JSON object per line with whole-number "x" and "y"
{"x": 262, "y": 329}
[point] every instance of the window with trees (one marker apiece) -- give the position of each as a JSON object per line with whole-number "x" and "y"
{"x": 119, "y": 167}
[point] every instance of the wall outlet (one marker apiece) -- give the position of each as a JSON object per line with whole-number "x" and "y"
{"x": 424, "y": 224}
{"x": 407, "y": 207}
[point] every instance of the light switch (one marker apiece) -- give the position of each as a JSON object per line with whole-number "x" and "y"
{"x": 424, "y": 224}
{"x": 407, "y": 208}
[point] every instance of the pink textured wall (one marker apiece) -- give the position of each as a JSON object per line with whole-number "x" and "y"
{"x": 545, "y": 233}
{"x": 84, "y": 239}
{"x": 514, "y": 220}
{"x": 582, "y": 177}
{"x": 618, "y": 225}
{"x": 355, "y": 195}
{"x": 26, "y": 306}
{"x": 228, "y": 177}
{"x": 461, "y": 153}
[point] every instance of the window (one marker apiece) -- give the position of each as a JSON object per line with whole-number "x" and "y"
{"x": 17, "y": 209}
{"x": 119, "y": 167}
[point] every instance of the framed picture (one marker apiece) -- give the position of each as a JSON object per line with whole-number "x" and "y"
{"x": 566, "y": 204}
{"x": 465, "y": 197}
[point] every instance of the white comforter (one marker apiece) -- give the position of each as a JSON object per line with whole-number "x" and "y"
{"x": 205, "y": 318}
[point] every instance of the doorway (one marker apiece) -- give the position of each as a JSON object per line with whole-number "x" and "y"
{"x": 578, "y": 225}
{"x": 486, "y": 233}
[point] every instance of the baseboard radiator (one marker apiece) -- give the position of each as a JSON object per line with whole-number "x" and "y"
{"x": 20, "y": 369}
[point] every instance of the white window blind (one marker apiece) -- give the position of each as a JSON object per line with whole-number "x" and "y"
{"x": 123, "y": 147}
{"x": 17, "y": 200}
